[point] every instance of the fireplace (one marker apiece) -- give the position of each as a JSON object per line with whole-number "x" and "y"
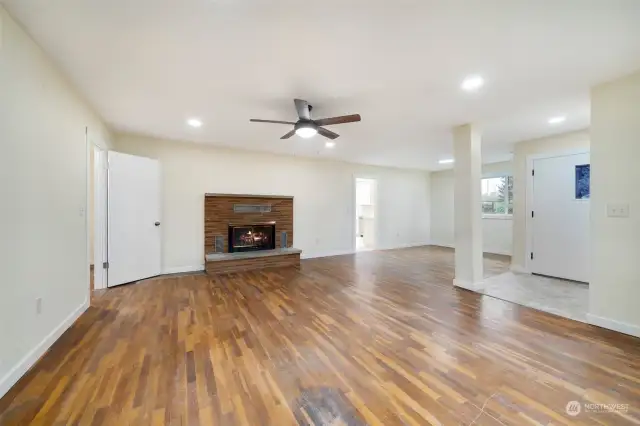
{"x": 257, "y": 236}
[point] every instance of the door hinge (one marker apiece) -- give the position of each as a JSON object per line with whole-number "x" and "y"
{"x": 533, "y": 172}
{"x": 532, "y": 213}
{"x": 531, "y": 255}
{"x": 105, "y": 265}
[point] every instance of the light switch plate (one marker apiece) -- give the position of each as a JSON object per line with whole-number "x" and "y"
{"x": 617, "y": 210}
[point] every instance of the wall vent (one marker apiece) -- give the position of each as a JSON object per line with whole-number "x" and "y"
{"x": 252, "y": 208}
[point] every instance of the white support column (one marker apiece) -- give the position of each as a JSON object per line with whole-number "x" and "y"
{"x": 467, "y": 207}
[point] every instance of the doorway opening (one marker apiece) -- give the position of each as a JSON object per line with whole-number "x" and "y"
{"x": 365, "y": 214}
{"x": 96, "y": 215}
{"x": 123, "y": 218}
{"x": 91, "y": 214}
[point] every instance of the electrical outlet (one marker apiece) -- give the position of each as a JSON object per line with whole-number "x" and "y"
{"x": 617, "y": 210}
{"x": 39, "y": 305}
{"x": 317, "y": 241}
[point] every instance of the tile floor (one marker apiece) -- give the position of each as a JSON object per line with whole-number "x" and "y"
{"x": 568, "y": 299}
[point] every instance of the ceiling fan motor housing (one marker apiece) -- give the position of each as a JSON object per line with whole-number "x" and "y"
{"x": 301, "y": 124}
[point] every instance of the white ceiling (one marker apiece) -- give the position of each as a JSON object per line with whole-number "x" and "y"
{"x": 148, "y": 65}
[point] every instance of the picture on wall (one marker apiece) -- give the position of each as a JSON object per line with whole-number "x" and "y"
{"x": 583, "y": 181}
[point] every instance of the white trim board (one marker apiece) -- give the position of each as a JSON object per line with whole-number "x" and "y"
{"x": 519, "y": 269}
{"x": 312, "y": 255}
{"x": 182, "y": 269}
{"x": 619, "y": 326}
{"x": 402, "y": 246}
{"x": 468, "y": 285}
{"x": 344, "y": 252}
{"x": 29, "y": 360}
{"x": 498, "y": 252}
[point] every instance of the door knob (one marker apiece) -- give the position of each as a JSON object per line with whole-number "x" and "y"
{"x": 157, "y": 223}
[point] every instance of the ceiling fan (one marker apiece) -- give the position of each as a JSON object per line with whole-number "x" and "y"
{"x": 306, "y": 127}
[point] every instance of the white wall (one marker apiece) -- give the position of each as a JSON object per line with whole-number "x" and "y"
{"x": 324, "y": 215}
{"x": 554, "y": 144}
{"x": 496, "y": 233}
{"x": 43, "y": 187}
{"x": 614, "y": 291}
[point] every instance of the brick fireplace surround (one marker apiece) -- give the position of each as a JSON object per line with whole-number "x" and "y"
{"x": 219, "y": 214}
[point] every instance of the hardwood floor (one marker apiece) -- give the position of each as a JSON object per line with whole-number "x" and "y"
{"x": 378, "y": 338}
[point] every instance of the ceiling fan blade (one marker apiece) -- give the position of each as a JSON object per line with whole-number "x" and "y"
{"x": 288, "y": 135}
{"x": 255, "y": 120}
{"x": 303, "y": 109}
{"x": 328, "y": 133}
{"x": 338, "y": 120}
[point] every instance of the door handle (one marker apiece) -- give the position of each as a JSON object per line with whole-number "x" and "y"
{"x": 157, "y": 223}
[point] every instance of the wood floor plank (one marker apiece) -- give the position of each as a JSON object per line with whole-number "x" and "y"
{"x": 378, "y": 338}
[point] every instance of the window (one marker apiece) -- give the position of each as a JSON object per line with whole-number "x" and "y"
{"x": 583, "y": 182}
{"x": 497, "y": 196}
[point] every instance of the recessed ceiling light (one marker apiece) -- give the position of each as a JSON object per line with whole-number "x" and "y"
{"x": 557, "y": 120}
{"x": 330, "y": 144}
{"x": 446, "y": 161}
{"x": 472, "y": 83}
{"x": 194, "y": 122}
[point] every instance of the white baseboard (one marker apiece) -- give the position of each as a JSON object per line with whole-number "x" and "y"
{"x": 19, "y": 370}
{"x": 442, "y": 245}
{"x": 486, "y": 251}
{"x": 468, "y": 285}
{"x": 520, "y": 269}
{"x": 622, "y": 327}
{"x": 183, "y": 269}
{"x": 401, "y": 246}
{"x": 312, "y": 255}
{"x": 500, "y": 252}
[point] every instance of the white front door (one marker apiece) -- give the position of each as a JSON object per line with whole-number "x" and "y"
{"x": 134, "y": 218}
{"x": 560, "y": 219}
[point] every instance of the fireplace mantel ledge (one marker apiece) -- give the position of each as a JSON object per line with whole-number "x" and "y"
{"x": 218, "y": 257}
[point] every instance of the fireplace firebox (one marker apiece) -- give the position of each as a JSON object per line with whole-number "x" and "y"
{"x": 252, "y": 237}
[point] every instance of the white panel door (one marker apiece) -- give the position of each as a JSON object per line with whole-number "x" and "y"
{"x": 560, "y": 221}
{"x": 134, "y": 218}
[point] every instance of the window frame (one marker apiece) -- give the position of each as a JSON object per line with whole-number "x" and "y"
{"x": 499, "y": 216}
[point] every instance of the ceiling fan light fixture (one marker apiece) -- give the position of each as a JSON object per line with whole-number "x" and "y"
{"x": 472, "y": 83}
{"x": 194, "y": 122}
{"x": 557, "y": 120}
{"x": 306, "y": 130}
